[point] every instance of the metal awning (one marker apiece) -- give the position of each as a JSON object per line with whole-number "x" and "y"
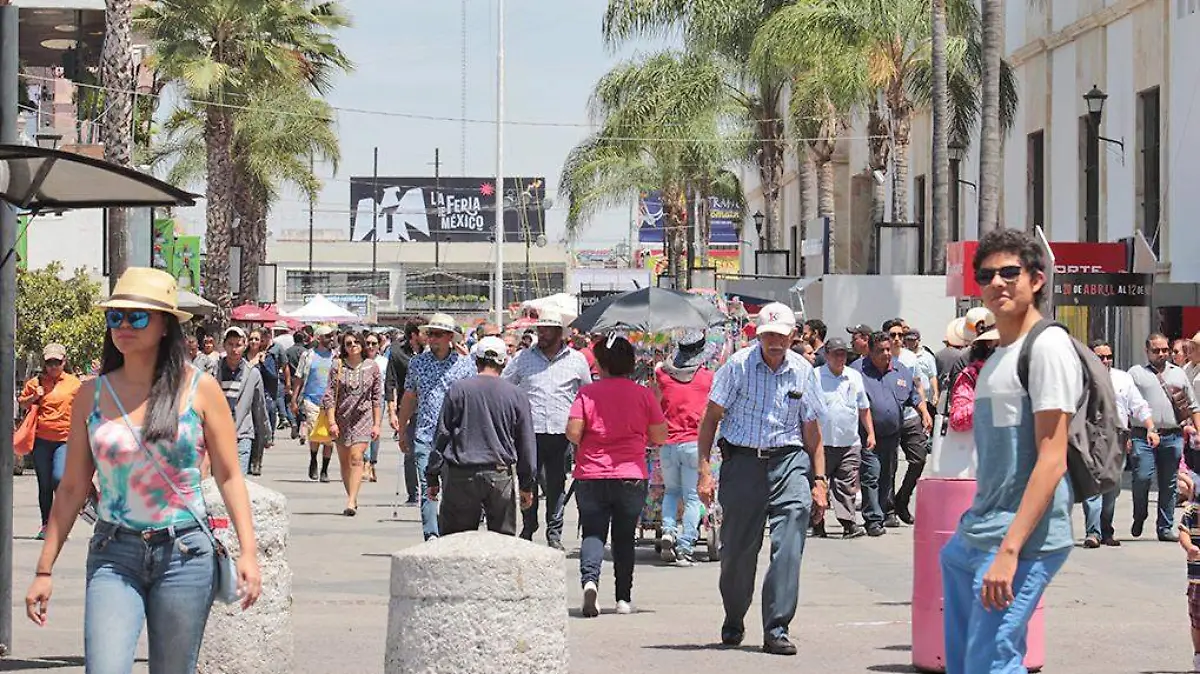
{"x": 38, "y": 179}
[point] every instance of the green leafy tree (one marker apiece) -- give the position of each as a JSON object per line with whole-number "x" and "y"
{"x": 53, "y": 309}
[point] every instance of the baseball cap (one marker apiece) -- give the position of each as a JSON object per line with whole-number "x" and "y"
{"x": 860, "y": 329}
{"x": 912, "y": 333}
{"x": 836, "y": 344}
{"x": 54, "y": 352}
{"x": 491, "y": 348}
{"x": 974, "y": 317}
{"x": 776, "y": 317}
{"x": 234, "y": 330}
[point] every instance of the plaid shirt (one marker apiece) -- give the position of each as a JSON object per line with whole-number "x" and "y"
{"x": 551, "y": 384}
{"x": 430, "y": 378}
{"x": 765, "y": 408}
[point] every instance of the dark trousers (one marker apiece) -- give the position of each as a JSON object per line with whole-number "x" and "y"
{"x": 49, "y": 459}
{"x": 915, "y": 443}
{"x": 604, "y": 506}
{"x": 878, "y": 478}
{"x": 472, "y": 494}
{"x": 754, "y": 493}
{"x": 841, "y": 469}
{"x": 552, "y": 455}
{"x": 410, "y": 476}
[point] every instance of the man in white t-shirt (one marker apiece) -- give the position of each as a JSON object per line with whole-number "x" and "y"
{"x": 1017, "y": 533}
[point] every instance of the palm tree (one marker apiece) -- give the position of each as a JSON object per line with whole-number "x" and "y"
{"x": 116, "y": 131}
{"x": 220, "y": 52}
{"x": 270, "y": 150}
{"x": 989, "y": 132}
{"x": 940, "y": 105}
{"x": 724, "y": 32}
{"x": 661, "y": 121}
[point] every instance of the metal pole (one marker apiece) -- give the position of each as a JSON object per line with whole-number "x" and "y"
{"x": 955, "y": 198}
{"x": 9, "y": 68}
{"x": 312, "y": 164}
{"x": 1092, "y": 222}
{"x": 437, "y": 207}
{"x": 498, "y": 292}
{"x": 374, "y": 216}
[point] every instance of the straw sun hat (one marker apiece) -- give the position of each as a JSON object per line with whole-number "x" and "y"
{"x": 146, "y": 288}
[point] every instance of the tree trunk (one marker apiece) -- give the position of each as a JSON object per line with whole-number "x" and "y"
{"x": 807, "y": 179}
{"x": 989, "y": 128}
{"x": 704, "y": 223}
{"x": 219, "y": 195}
{"x": 770, "y": 171}
{"x": 940, "y": 233}
{"x": 675, "y": 239}
{"x": 825, "y": 207}
{"x": 116, "y": 132}
{"x": 879, "y": 145}
{"x": 901, "y": 134}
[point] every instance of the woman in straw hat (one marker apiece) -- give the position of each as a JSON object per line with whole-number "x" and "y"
{"x": 143, "y": 429}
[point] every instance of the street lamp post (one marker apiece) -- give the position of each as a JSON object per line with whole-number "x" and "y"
{"x": 758, "y": 218}
{"x": 956, "y": 151}
{"x": 1095, "y": 107}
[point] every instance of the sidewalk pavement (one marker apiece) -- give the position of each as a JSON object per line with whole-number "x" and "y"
{"x": 1110, "y": 611}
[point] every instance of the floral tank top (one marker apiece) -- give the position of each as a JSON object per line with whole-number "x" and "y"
{"x": 133, "y": 494}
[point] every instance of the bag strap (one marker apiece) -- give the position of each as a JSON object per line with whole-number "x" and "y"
{"x": 202, "y": 521}
{"x": 1027, "y": 349}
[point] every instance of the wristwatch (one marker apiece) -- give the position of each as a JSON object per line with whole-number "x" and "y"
{"x": 820, "y": 478}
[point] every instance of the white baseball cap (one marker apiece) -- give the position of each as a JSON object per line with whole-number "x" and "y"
{"x": 776, "y": 317}
{"x": 491, "y": 348}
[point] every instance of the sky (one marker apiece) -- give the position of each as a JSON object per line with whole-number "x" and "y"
{"x": 409, "y": 67}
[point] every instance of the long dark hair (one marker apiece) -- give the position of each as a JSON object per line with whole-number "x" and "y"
{"x": 162, "y": 407}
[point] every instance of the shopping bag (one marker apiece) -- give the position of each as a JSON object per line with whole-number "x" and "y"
{"x": 320, "y": 431}
{"x": 26, "y": 433}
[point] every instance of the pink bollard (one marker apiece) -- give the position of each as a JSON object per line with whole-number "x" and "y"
{"x": 940, "y": 504}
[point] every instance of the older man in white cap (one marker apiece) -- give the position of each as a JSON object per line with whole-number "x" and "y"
{"x": 550, "y": 372}
{"x": 484, "y": 434}
{"x": 430, "y": 375}
{"x": 769, "y": 405}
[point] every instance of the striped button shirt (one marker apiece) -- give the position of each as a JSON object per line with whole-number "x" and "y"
{"x": 765, "y": 408}
{"x": 550, "y": 383}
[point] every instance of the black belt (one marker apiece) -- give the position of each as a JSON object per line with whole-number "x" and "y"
{"x": 476, "y": 468}
{"x": 760, "y": 453}
{"x": 1140, "y": 432}
{"x": 147, "y": 535}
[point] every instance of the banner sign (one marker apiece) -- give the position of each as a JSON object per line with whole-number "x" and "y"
{"x": 453, "y": 209}
{"x": 726, "y": 260}
{"x": 186, "y": 257}
{"x": 723, "y": 216}
{"x": 1070, "y": 257}
{"x": 22, "y": 251}
{"x": 589, "y": 298}
{"x": 1102, "y": 290}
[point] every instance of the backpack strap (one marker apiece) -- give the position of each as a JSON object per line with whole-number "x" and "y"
{"x": 1027, "y": 349}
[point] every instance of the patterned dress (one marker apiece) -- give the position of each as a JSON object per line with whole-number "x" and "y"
{"x": 353, "y": 394}
{"x": 133, "y": 494}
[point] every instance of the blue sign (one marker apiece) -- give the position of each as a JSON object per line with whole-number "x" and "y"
{"x": 722, "y": 217}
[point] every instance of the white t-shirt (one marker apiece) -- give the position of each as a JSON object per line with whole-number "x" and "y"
{"x": 909, "y": 359}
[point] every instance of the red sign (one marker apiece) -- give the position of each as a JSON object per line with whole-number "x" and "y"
{"x": 1070, "y": 257}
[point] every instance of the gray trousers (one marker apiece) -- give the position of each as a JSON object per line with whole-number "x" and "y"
{"x": 841, "y": 469}
{"x": 755, "y": 492}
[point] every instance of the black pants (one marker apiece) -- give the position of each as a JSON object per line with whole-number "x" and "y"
{"x": 552, "y": 457}
{"x": 914, "y": 441}
{"x": 472, "y": 494}
{"x": 604, "y": 506}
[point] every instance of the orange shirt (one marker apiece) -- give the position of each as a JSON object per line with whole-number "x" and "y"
{"x": 54, "y": 409}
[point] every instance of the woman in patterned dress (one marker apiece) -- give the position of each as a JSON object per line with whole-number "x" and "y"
{"x": 143, "y": 428}
{"x": 352, "y": 403}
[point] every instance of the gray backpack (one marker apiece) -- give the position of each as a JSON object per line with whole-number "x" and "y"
{"x": 1095, "y": 458}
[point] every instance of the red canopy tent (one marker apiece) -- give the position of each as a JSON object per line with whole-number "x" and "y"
{"x": 252, "y": 313}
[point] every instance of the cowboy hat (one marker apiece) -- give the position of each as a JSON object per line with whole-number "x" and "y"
{"x": 549, "y": 318}
{"x": 149, "y": 289}
{"x": 955, "y": 333}
{"x": 443, "y": 322}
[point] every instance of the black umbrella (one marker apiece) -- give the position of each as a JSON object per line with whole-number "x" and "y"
{"x": 650, "y": 310}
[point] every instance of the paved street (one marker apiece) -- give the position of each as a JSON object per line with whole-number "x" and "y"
{"x": 1118, "y": 611}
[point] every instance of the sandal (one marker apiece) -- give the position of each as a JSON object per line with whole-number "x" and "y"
{"x": 350, "y": 512}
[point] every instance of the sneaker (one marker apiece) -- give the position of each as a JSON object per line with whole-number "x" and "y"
{"x": 666, "y": 548}
{"x": 875, "y": 530}
{"x": 312, "y": 468}
{"x": 324, "y": 476}
{"x": 1091, "y": 542}
{"x": 684, "y": 560}
{"x": 591, "y": 607}
{"x": 854, "y": 531}
{"x": 624, "y": 608}
{"x": 41, "y": 534}
{"x": 892, "y": 522}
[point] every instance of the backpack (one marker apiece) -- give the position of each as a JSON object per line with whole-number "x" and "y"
{"x": 1095, "y": 457}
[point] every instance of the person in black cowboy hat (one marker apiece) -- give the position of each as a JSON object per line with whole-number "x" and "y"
{"x": 682, "y": 384}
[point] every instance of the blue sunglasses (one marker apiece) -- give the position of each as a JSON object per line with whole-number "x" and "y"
{"x": 138, "y": 318}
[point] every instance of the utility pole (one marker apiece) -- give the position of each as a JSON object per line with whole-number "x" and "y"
{"x": 374, "y": 218}
{"x": 312, "y": 167}
{"x": 437, "y": 207}
{"x": 499, "y": 280}
{"x": 9, "y": 67}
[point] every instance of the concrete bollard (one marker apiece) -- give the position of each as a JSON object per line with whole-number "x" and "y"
{"x": 258, "y": 641}
{"x": 477, "y": 602}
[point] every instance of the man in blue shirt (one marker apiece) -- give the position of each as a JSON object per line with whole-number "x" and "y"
{"x": 312, "y": 378}
{"x": 890, "y": 388}
{"x": 769, "y": 406}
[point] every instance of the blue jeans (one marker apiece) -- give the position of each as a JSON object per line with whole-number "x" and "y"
{"x": 981, "y": 641}
{"x": 680, "y": 472}
{"x": 1098, "y": 513}
{"x": 429, "y": 509}
{"x": 609, "y": 506}
{"x": 165, "y": 582}
{"x": 49, "y": 459}
{"x": 1163, "y": 462}
{"x": 244, "y": 447}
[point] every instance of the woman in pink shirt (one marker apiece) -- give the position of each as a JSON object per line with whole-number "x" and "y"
{"x": 612, "y": 422}
{"x": 682, "y": 384}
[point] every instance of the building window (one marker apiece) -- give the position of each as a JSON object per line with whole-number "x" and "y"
{"x": 1035, "y": 172}
{"x": 1089, "y": 142}
{"x": 1149, "y": 173}
{"x": 301, "y": 283}
{"x": 453, "y": 291}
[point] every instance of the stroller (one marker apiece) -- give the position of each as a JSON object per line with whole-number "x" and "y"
{"x": 710, "y": 515}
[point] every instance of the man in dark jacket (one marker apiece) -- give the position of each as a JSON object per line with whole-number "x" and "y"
{"x": 402, "y": 351}
{"x": 484, "y": 434}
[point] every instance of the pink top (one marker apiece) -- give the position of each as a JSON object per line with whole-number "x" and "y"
{"x": 683, "y": 403}
{"x": 617, "y": 414}
{"x": 962, "y": 398}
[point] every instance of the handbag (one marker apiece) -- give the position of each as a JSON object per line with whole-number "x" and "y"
{"x": 26, "y": 433}
{"x": 1180, "y": 403}
{"x": 227, "y": 575}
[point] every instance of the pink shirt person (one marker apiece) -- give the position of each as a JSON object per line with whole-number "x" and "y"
{"x": 617, "y": 415}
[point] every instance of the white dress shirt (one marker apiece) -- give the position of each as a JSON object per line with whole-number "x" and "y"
{"x": 1130, "y": 403}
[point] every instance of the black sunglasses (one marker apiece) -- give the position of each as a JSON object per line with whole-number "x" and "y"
{"x": 1008, "y": 273}
{"x": 53, "y": 362}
